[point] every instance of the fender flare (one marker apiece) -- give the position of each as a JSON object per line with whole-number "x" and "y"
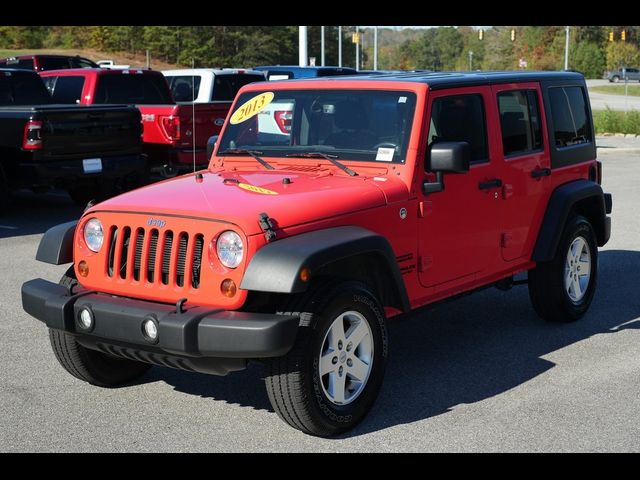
{"x": 276, "y": 267}
{"x": 56, "y": 246}
{"x": 562, "y": 201}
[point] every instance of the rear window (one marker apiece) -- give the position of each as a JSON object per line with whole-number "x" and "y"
{"x": 22, "y": 64}
{"x": 133, "y": 88}
{"x": 571, "y": 121}
{"x": 226, "y": 87}
{"x": 65, "y": 89}
{"x": 519, "y": 121}
{"x": 22, "y": 89}
{"x": 182, "y": 87}
{"x": 53, "y": 63}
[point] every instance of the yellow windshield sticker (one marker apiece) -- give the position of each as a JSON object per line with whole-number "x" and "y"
{"x": 254, "y": 189}
{"x": 251, "y": 108}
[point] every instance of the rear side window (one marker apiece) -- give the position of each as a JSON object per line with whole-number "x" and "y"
{"x": 79, "y": 62}
{"x": 460, "y": 118}
{"x": 226, "y": 87}
{"x": 22, "y": 89}
{"x": 571, "y": 122}
{"x": 133, "y": 88}
{"x": 182, "y": 87}
{"x": 65, "y": 89}
{"x": 519, "y": 121}
{"x": 53, "y": 63}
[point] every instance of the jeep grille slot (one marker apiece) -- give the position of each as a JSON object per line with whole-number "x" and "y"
{"x": 154, "y": 256}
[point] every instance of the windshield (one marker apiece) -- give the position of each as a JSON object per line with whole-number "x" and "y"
{"x": 370, "y": 125}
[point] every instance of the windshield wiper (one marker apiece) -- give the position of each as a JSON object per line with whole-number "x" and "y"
{"x": 253, "y": 153}
{"x": 331, "y": 158}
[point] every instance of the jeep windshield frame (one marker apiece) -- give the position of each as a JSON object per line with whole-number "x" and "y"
{"x": 353, "y": 124}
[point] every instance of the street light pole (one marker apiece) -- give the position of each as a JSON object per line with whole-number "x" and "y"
{"x": 302, "y": 47}
{"x": 357, "y": 48}
{"x": 566, "y": 49}
{"x": 322, "y": 46}
{"x": 470, "y": 60}
{"x": 340, "y": 46}
{"x": 375, "y": 48}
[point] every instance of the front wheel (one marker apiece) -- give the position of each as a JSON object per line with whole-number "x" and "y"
{"x": 562, "y": 290}
{"x": 330, "y": 379}
{"x": 94, "y": 367}
{"x": 615, "y": 79}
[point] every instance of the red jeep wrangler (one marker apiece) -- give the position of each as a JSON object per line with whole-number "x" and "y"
{"x": 294, "y": 247}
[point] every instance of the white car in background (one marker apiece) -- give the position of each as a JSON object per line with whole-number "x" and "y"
{"x": 211, "y": 84}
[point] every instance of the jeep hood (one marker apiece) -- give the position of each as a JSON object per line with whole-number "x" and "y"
{"x": 239, "y": 197}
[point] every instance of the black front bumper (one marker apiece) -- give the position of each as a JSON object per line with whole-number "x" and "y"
{"x": 200, "y": 338}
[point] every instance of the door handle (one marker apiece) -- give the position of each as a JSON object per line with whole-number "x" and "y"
{"x": 541, "y": 172}
{"x": 489, "y": 184}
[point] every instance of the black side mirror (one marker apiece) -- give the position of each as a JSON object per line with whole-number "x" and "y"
{"x": 449, "y": 157}
{"x": 445, "y": 157}
{"x": 211, "y": 144}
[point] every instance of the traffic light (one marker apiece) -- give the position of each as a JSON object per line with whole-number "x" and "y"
{"x": 611, "y": 36}
{"x": 481, "y": 34}
{"x": 513, "y": 34}
{"x": 355, "y": 38}
{"x": 623, "y": 35}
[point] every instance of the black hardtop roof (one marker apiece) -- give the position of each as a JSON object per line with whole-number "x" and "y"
{"x": 439, "y": 80}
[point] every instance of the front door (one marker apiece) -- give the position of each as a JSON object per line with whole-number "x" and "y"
{"x": 459, "y": 227}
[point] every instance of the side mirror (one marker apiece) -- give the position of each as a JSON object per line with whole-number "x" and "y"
{"x": 449, "y": 157}
{"x": 211, "y": 144}
{"x": 445, "y": 157}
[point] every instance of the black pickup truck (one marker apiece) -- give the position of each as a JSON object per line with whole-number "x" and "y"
{"x": 93, "y": 152}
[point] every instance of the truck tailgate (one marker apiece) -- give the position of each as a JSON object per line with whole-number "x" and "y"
{"x": 70, "y": 131}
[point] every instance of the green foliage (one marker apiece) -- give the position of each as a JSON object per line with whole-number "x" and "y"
{"x": 622, "y": 54}
{"x": 588, "y": 58}
{"x": 613, "y": 121}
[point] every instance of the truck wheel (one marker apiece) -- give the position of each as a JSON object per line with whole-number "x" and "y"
{"x": 561, "y": 290}
{"x": 91, "y": 366}
{"x": 615, "y": 79}
{"x": 331, "y": 377}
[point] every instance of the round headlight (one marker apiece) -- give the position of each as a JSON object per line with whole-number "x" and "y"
{"x": 230, "y": 249}
{"x": 93, "y": 234}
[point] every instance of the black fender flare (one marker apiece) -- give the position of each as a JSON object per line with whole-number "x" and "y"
{"x": 562, "y": 201}
{"x": 276, "y": 267}
{"x": 56, "y": 246}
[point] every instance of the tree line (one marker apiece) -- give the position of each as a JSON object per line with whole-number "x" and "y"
{"x": 442, "y": 48}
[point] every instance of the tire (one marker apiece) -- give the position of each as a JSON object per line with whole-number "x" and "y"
{"x": 91, "y": 366}
{"x": 309, "y": 401}
{"x": 555, "y": 297}
{"x": 615, "y": 79}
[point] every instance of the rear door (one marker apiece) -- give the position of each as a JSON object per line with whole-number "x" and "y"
{"x": 524, "y": 154}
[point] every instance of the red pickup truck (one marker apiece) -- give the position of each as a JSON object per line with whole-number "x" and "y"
{"x": 169, "y": 131}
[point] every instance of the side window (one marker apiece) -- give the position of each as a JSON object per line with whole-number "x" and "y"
{"x": 66, "y": 89}
{"x": 460, "y": 118}
{"x": 26, "y": 64}
{"x": 519, "y": 122}
{"x": 571, "y": 122}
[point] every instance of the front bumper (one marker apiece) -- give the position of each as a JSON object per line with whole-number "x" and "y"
{"x": 200, "y": 338}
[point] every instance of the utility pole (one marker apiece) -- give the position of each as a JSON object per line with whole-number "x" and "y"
{"x": 322, "y": 46}
{"x": 302, "y": 47}
{"x": 566, "y": 49}
{"x": 470, "y": 60}
{"x": 357, "y": 48}
{"x": 375, "y": 48}
{"x": 340, "y": 46}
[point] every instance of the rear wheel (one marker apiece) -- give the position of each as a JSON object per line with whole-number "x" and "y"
{"x": 330, "y": 379}
{"x": 562, "y": 290}
{"x": 91, "y": 366}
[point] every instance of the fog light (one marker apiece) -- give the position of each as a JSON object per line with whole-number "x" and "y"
{"x": 228, "y": 287}
{"x": 150, "y": 329}
{"x": 83, "y": 268}
{"x": 85, "y": 319}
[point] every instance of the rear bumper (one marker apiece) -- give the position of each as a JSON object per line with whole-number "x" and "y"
{"x": 199, "y": 338}
{"x": 70, "y": 173}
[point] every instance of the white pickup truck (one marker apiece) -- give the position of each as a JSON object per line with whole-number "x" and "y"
{"x": 111, "y": 64}
{"x": 211, "y": 84}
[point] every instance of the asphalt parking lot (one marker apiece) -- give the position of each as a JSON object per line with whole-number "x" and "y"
{"x": 482, "y": 373}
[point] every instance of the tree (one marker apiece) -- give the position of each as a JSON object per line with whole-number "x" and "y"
{"x": 588, "y": 58}
{"x": 622, "y": 54}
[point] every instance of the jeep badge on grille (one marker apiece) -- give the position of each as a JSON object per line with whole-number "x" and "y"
{"x": 152, "y": 222}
